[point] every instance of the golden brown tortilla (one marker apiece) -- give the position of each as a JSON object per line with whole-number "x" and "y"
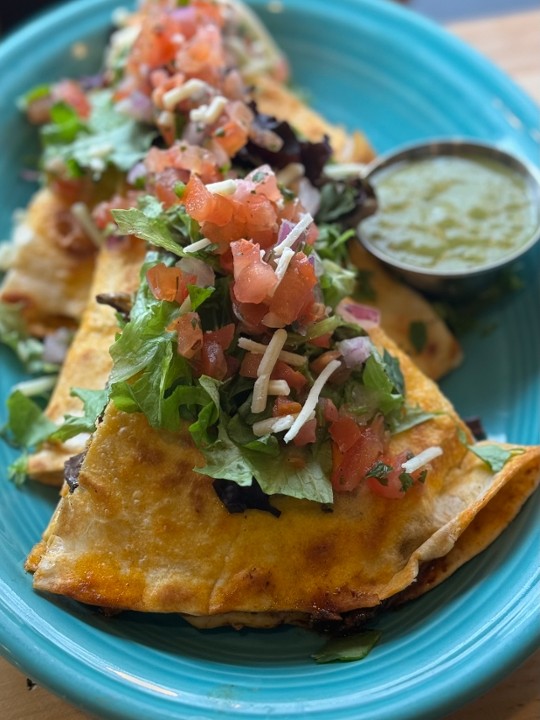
{"x": 144, "y": 532}
{"x": 88, "y": 363}
{"x": 401, "y": 306}
{"x": 52, "y": 265}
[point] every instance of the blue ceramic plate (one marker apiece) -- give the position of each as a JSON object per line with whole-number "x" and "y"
{"x": 372, "y": 65}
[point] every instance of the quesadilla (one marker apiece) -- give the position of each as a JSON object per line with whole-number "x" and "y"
{"x": 50, "y": 266}
{"x": 267, "y": 453}
{"x": 88, "y": 363}
{"x": 142, "y": 531}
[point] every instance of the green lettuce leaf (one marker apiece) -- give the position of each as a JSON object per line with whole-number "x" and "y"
{"x": 107, "y": 138}
{"x": 27, "y": 426}
{"x": 348, "y": 649}
{"x": 494, "y": 456}
{"x": 14, "y": 334}
{"x": 94, "y": 402}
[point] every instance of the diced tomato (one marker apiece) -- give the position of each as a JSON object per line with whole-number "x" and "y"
{"x": 249, "y": 315}
{"x": 285, "y": 406}
{"x": 291, "y": 293}
{"x": 101, "y": 214}
{"x": 72, "y": 94}
{"x": 231, "y": 133}
{"x": 360, "y": 457}
{"x": 322, "y": 341}
{"x": 254, "y": 278}
{"x": 345, "y": 432}
{"x": 168, "y": 283}
{"x": 261, "y": 181}
{"x": 213, "y": 361}
{"x": 198, "y": 201}
{"x": 329, "y": 410}
{"x": 190, "y": 334}
{"x": 391, "y": 485}
{"x": 250, "y": 365}
{"x": 307, "y": 433}
{"x": 223, "y": 336}
{"x": 318, "y": 365}
{"x": 182, "y": 156}
{"x": 293, "y": 378}
{"x": 165, "y": 183}
{"x": 154, "y": 46}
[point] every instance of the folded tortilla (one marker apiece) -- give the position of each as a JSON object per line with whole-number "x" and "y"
{"x": 88, "y": 363}
{"x": 142, "y": 531}
{"x": 50, "y": 270}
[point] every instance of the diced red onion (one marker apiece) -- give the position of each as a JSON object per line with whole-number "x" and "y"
{"x": 366, "y": 315}
{"x": 184, "y": 14}
{"x": 55, "y": 346}
{"x": 137, "y": 171}
{"x": 284, "y": 229}
{"x": 309, "y": 196}
{"x": 355, "y": 351}
{"x": 194, "y": 133}
{"x": 137, "y": 106}
{"x": 316, "y": 263}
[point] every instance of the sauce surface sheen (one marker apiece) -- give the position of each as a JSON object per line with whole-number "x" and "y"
{"x": 450, "y": 213}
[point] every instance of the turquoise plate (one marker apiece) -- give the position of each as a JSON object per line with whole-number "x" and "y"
{"x": 372, "y": 65}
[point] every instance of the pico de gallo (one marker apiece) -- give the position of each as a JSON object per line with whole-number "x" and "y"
{"x": 247, "y": 328}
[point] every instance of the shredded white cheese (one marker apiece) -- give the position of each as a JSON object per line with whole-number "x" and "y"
{"x": 208, "y": 114}
{"x": 427, "y": 455}
{"x": 290, "y": 174}
{"x": 36, "y": 386}
{"x": 193, "y": 89}
{"x": 295, "y": 233}
{"x": 276, "y": 424}
{"x": 311, "y": 400}
{"x": 340, "y": 171}
{"x": 166, "y": 119}
{"x": 268, "y": 361}
{"x": 273, "y": 425}
{"x": 82, "y": 214}
{"x": 223, "y": 187}
{"x": 283, "y": 264}
{"x": 199, "y": 245}
{"x": 290, "y": 358}
{"x": 278, "y": 387}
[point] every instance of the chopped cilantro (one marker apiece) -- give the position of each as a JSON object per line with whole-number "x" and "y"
{"x": 380, "y": 470}
{"x": 494, "y": 456}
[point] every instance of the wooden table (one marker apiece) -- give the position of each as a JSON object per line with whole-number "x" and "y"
{"x": 512, "y": 42}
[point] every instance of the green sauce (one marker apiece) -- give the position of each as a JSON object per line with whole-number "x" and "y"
{"x": 450, "y": 213}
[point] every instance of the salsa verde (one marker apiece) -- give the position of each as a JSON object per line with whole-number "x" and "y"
{"x": 450, "y": 213}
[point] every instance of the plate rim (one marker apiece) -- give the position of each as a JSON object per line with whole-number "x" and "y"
{"x": 25, "y": 656}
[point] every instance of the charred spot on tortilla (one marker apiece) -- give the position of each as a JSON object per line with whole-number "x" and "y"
{"x": 72, "y": 468}
{"x": 239, "y": 498}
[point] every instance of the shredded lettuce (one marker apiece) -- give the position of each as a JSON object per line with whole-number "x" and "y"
{"x": 166, "y": 229}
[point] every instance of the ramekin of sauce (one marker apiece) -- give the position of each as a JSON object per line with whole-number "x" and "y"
{"x": 451, "y": 214}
